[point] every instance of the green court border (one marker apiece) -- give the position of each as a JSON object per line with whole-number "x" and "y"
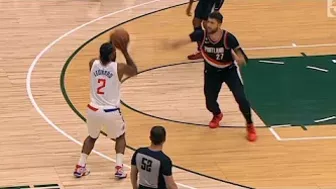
{"x": 67, "y": 99}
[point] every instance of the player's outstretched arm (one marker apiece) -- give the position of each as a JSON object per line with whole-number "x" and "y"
{"x": 188, "y": 11}
{"x": 180, "y": 43}
{"x": 195, "y": 36}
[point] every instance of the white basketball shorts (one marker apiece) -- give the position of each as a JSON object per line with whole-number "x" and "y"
{"x": 110, "y": 118}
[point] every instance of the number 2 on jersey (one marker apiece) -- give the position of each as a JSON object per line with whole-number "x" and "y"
{"x": 99, "y": 89}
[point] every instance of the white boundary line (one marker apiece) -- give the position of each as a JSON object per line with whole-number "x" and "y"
{"x": 291, "y": 47}
{"x": 271, "y": 62}
{"x": 275, "y": 133}
{"x": 285, "y": 125}
{"x": 277, "y": 136}
{"x": 316, "y": 68}
{"x": 324, "y": 119}
{"x": 32, "y": 66}
{"x": 309, "y": 138}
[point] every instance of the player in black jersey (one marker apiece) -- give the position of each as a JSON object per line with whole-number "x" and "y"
{"x": 152, "y": 165}
{"x": 202, "y": 11}
{"x": 221, "y": 51}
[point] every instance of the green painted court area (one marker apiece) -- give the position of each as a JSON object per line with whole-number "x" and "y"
{"x": 285, "y": 91}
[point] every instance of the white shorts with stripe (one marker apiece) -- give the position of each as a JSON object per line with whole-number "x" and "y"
{"x": 110, "y": 118}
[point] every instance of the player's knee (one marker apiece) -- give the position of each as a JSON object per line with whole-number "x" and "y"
{"x": 210, "y": 103}
{"x": 197, "y": 22}
{"x": 241, "y": 98}
{"x": 121, "y": 137}
{"x": 92, "y": 139}
{"x": 204, "y": 23}
{"x": 210, "y": 99}
{"x": 208, "y": 92}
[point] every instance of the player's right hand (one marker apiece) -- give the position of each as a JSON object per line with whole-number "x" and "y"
{"x": 123, "y": 47}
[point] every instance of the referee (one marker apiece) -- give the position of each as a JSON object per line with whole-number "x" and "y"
{"x": 152, "y": 165}
{"x": 202, "y": 11}
{"x": 221, "y": 51}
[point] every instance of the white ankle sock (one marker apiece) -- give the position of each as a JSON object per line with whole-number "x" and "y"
{"x": 82, "y": 159}
{"x": 119, "y": 160}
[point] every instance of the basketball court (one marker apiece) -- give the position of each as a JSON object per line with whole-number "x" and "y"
{"x": 45, "y": 50}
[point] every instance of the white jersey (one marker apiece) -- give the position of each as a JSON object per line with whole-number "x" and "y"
{"x": 104, "y": 85}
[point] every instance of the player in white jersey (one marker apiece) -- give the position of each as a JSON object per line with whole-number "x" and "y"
{"x": 105, "y": 77}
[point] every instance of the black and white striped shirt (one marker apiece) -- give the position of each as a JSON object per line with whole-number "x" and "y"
{"x": 152, "y": 166}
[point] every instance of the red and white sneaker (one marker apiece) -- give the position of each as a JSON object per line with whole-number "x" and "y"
{"x": 197, "y": 55}
{"x": 214, "y": 123}
{"x": 251, "y": 132}
{"x": 81, "y": 171}
{"x": 120, "y": 173}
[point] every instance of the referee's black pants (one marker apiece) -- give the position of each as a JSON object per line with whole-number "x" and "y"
{"x": 213, "y": 80}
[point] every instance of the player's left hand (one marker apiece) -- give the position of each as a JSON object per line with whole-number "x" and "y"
{"x": 237, "y": 58}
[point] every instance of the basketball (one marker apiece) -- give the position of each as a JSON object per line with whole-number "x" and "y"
{"x": 118, "y": 37}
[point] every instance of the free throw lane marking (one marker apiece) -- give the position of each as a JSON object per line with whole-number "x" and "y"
{"x": 316, "y": 68}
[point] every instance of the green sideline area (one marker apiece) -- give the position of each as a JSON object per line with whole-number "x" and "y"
{"x": 290, "y": 93}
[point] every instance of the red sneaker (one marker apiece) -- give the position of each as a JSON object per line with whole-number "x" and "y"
{"x": 81, "y": 171}
{"x": 195, "y": 56}
{"x": 120, "y": 173}
{"x": 214, "y": 123}
{"x": 251, "y": 132}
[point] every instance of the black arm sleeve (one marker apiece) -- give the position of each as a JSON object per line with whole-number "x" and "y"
{"x": 219, "y": 4}
{"x": 133, "y": 162}
{"x": 167, "y": 167}
{"x": 232, "y": 41}
{"x": 197, "y": 35}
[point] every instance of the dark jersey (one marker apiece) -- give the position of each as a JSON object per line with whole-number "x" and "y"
{"x": 216, "y": 53}
{"x": 217, "y": 4}
{"x": 205, "y": 7}
{"x": 152, "y": 166}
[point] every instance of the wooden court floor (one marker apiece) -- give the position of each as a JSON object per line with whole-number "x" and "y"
{"x": 42, "y": 49}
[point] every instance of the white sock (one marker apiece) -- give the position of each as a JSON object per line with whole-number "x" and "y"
{"x": 82, "y": 159}
{"x": 119, "y": 160}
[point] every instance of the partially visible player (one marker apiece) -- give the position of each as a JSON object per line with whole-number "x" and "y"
{"x": 151, "y": 165}
{"x": 105, "y": 77}
{"x": 222, "y": 53}
{"x": 202, "y": 11}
